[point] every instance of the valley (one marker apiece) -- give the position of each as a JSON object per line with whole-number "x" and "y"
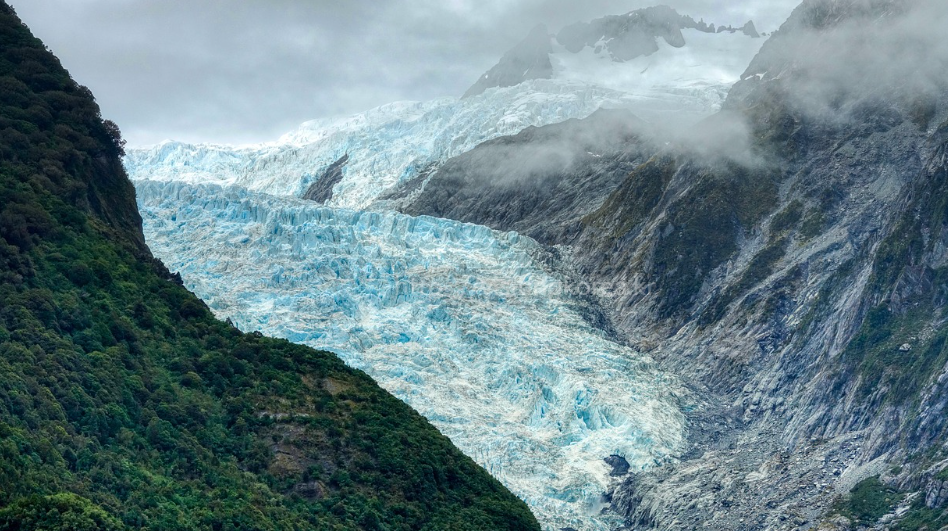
{"x": 647, "y": 272}
{"x": 486, "y": 333}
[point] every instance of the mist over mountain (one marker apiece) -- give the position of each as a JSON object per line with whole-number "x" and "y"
{"x": 389, "y": 146}
{"x": 211, "y": 72}
{"x": 617, "y": 39}
{"x": 649, "y": 272}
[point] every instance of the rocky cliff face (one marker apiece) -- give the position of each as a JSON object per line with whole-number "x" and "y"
{"x": 538, "y": 182}
{"x": 321, "y": 190}
{"x": 787, "y": 259}
{"x": 634, "y": 34}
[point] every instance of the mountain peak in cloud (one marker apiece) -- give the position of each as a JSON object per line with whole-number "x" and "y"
{"x": 620, "y": 38}
{"x": 530, "y": 59}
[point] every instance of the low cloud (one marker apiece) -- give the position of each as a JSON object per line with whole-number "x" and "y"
{"x": 537, "y": 155}
{"x": 253, "y": 70}
{"x": 864, "y": 51}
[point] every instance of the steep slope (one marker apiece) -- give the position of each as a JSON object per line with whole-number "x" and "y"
{"x": 785, "y": 259}
{"x": 125, "y": 404}
{"x": 538, "y": 182}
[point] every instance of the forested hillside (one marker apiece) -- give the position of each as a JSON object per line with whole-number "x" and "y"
{"x": 125, "y": 404}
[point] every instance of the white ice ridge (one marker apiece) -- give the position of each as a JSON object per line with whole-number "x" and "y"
{"x": 393, "y": 143}
{"x": 459, "y": 321}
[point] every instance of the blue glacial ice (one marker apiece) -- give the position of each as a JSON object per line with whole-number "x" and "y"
{"x": 461, "y": 322}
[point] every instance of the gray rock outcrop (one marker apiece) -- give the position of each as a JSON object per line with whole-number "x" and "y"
{"x": 321, "y": 189}
{"x": 936, "y": 494}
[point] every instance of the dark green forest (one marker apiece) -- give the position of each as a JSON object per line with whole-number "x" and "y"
{"x": 124, "y": 404}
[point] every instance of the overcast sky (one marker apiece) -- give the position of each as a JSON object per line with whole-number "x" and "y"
{"x": 236, "y": 71}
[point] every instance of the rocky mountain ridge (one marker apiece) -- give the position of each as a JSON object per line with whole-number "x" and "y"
{"x": 793, "y": 280}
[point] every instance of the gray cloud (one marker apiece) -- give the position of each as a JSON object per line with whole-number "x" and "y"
{"x": 225, "y": 71}
{"x": 883, "y": 52}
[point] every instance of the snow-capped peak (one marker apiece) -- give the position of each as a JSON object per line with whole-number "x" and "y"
{"x": 619, "y": 39}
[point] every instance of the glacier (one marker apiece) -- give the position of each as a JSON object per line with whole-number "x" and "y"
{"x": 476, "y": 329}
{"x": 396, "y": 142}
{"x": 465, "y": 324}
{"x": 386, "y": 146}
